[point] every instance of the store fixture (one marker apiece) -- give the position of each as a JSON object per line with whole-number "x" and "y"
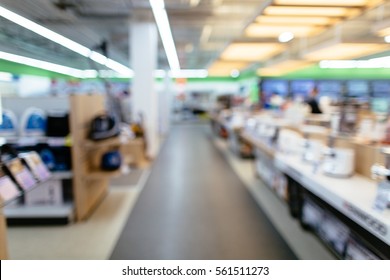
{"x": 332, "y": 196}
{"x": 90, "y": 183}
{"x": 19, "y": 177}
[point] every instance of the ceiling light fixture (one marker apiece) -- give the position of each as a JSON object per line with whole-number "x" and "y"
{"x": 161, "y": 17}
{"x": 286, "y": 37}
{"x": 349, "y": 3}
{"x": 283, "y": 67}
{"x": 311, "y": 11}
{"x": 251, "y": 52}
{"x": 387, "y": 39}
{"x": 57, "y": 38}
{"x": 234, "y": 73}
{"x": 45, "y": 65}
{"x": 376, "y": 63}
{"x": 344, "y": 51}
{"x": 274, "y": 30}
{"x": 222, "y": 68}
{"x": 189, "y": 73}
{"x": 307, "y": 20}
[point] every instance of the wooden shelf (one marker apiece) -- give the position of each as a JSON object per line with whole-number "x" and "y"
{"x": 61, "y": 175}
{"x": 114, "y": 141}
{"x": 99, "y": 174}
{"x": 35, "y": 140}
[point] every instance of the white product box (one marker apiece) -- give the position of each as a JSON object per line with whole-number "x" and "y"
{"x": 47, "y": 193}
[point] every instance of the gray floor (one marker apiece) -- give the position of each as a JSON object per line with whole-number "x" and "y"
{"x": 195, "y": 207}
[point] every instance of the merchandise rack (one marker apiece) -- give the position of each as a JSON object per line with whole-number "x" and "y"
{"x": 90, "y": 185}
{"x": 349, "y": 199}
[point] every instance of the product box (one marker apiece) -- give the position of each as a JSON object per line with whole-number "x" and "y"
{"x": 48, "y": 193}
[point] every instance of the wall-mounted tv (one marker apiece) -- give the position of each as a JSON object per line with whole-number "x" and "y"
{"x": 301, "y": 88}
{"x": 381, "y": 89}
{"x": 331, "y": 89}
{"x": 358, "y": 88}
{"x": 279, "y": 87}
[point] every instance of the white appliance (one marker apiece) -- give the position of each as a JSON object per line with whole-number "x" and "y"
{"x": 339, "y": 162}
{"x": 312, "y": 151}
{"x": 290, "y": 142}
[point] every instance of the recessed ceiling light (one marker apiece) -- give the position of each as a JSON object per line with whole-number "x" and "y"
{"x": 345, "y": 51}
{"x": 311, "y": 11}
{"x": 274, "y": 30}
{"x": 225, "y": 68}
{"x": 234, "y": 73}
{"x": 308, "y": 20}
{"x": 286, "y": 37}
{"x": 350, "y": 3}
{"x": 251, "y": 51}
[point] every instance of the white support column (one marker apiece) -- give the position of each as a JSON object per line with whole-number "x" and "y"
{"x": 143, "y": 56}
{"x": 165, "y": 97}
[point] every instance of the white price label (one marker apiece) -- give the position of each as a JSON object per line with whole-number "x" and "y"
{"x": 28, "y": 141}
{"x": 56, "y": 141}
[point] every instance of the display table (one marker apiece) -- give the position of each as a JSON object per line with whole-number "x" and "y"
{"x": 353, "y": 197}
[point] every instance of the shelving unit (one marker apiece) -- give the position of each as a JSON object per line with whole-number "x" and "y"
{"x": 90, "y": 185}
{"x": 349, "y": 200}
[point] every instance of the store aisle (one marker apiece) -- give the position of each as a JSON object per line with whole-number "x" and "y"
{"x": 195, "y": 207}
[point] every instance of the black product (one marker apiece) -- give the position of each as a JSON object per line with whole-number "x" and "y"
{"x": 55, "y": 158}
{"x": 111, "y": 160}
{"x": 104, "y": 126}
{"x": 57, "y": 124}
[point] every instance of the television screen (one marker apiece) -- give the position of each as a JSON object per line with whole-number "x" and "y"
{"x": 381, "y": 89}
{"x": 302, "y": 88}
{"x": 279, "y": 87}
{"x": 358, "y": 89}
{"x": 330, "y": 88}
{"x": 380, "y": 105}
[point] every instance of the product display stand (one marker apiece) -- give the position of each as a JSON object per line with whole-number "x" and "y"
{"x": 90, "y": 185}
{"x": 3, "y": 237}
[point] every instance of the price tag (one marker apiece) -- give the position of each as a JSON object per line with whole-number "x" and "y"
{"x": 56, "y": 141}
{"x": 28, "y": 141}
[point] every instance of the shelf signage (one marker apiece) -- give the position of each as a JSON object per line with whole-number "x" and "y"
{"x": 366, "y": 219}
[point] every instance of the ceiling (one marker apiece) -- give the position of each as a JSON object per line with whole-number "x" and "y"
{"x": 202, "y": 29}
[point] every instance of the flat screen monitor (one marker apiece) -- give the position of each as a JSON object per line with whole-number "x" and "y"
{"x": 301, "y": 88}
{"x": 358, "y": 89}
{"x": 331, "y": 89}
{"x": 381, "y": 89}
{"x": 380, "y": 105}
{"x": 279, "y": 87}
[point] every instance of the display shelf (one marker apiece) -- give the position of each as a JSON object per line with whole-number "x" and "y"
{"x": 35, "y": 140}
{"x": 99, "y": 174}
{"x": 114, "y": 141}
{"x": 43, "y": 214}
{"x": 258, "y": 144}
{"x": 353, "y": 197}
{"x": 61, "y": 175}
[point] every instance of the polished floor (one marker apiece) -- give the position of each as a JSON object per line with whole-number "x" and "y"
{"x": 194, "y": 206}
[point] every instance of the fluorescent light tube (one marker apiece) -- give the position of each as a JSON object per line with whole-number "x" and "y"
{"x": 57, "y": 38}
{"x": 161, "y": 17}
{"x": 189, "y": 73}
{"x": 43, "y": 65}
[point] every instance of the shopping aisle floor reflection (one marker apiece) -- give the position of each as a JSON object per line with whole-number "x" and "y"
{"x": 195, "y": 207}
